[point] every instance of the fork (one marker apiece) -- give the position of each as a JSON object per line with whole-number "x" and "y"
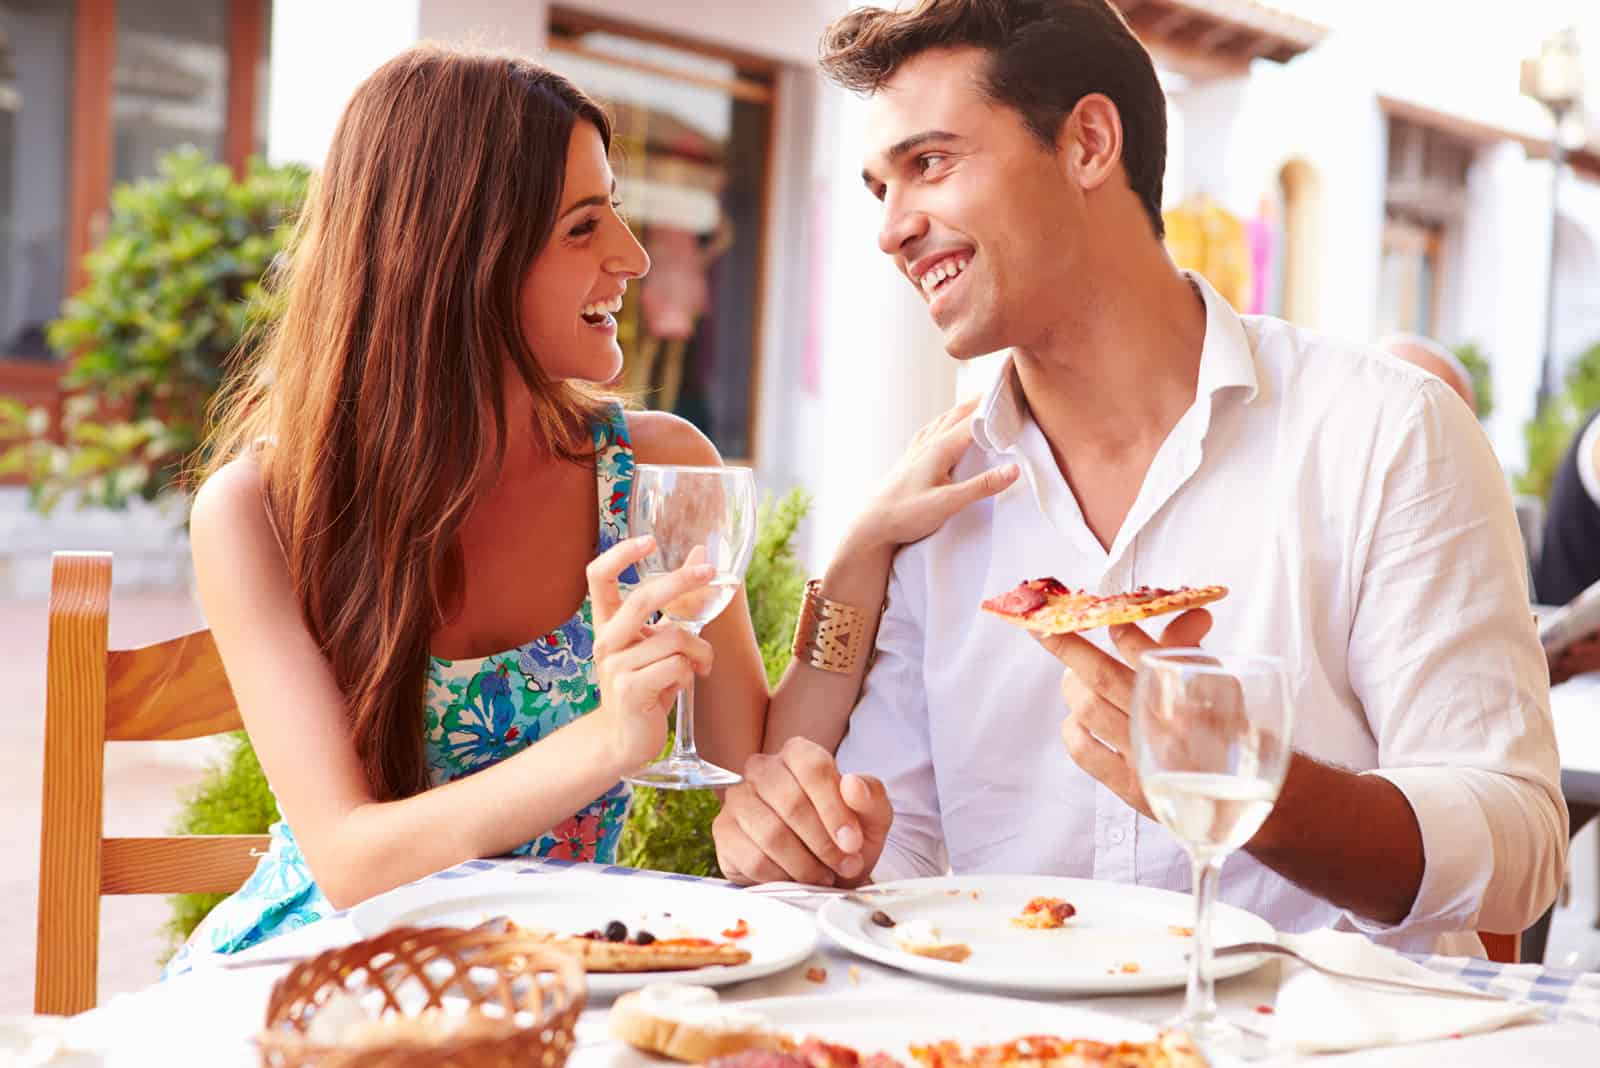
{"x": 1388, "y": 984}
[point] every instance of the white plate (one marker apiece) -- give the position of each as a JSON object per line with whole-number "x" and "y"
{"x": 1116, "y": 925}
{"x": 573, "y": 902}
{"x": 890, "y": 1023}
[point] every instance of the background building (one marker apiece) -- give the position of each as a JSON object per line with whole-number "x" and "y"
{"x": 1380, "y": 183}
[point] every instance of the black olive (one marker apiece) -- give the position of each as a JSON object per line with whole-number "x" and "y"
{"x": 643, "y": 938}
{"x": 882, "y": 919}
{"x": 616, "y": 931}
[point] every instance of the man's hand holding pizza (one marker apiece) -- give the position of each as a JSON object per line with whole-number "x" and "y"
{"x": 796, "y": 818}
{"x": 1098, "y": 688}
{"x": 1099, "y": 693}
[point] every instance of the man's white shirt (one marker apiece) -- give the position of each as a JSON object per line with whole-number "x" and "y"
{"x": 1354, "y": 509}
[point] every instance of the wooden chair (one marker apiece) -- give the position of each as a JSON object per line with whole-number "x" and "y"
{"x": 1502, "y": 948}
{"x": 171, "y": 690}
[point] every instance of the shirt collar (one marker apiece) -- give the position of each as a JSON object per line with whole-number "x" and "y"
{"x": 1226, "y": 362}
{"x": 1225, "y": 357}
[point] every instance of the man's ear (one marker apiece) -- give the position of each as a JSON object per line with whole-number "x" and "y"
{"x": 1090, "y": 148}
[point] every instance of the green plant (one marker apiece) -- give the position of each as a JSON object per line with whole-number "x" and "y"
{"x": 1477, "y": 365}
{"x": 670, "y": 830}
{"x": 233, "y": 798}
{"x": 1549, "y": 434}
{"x": 172, "y": 289}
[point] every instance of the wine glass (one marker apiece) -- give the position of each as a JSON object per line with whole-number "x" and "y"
{"x": 1210, "y": 738}
{"x": 697, "y": 515}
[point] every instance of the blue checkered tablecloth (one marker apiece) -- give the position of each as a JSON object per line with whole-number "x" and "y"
{"x": 1561, "y": 995}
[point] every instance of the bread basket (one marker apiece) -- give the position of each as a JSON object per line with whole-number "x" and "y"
{"x": 415, "y": 996}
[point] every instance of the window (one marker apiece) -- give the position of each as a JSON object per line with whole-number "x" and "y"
{"x": 693, "y": 129}
{"x": 170, "y": 82}
{"x": 91, "y": 93}
{"x": 36, "y": 68}
{"x": 1425, "y": 200}
{"x": 1408, "y": 280}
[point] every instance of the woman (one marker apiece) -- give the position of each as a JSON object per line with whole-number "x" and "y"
{"x": 411, "y": 542}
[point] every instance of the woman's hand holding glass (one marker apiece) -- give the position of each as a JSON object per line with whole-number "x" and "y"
{"x": 642, "y": 666}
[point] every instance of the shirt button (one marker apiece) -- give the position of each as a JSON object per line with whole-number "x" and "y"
{"x": 1116, "y": 835}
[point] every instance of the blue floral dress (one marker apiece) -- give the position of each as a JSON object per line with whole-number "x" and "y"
{"x": 477, "y": 712}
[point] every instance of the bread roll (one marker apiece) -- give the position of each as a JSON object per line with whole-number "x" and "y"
{"x": 688, "y": 1023}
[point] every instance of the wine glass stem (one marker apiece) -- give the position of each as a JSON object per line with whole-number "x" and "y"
{"x": 1200, "y": 1003}
{"x": 683, "y": 747}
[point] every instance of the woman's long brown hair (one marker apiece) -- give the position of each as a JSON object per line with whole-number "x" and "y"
{"x": 381, "y": 386}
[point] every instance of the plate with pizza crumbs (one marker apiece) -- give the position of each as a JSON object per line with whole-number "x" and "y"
{"x": 1039, "y": 933}
{"x": 626, "y": 917}
{"x": 891, "y": 1024}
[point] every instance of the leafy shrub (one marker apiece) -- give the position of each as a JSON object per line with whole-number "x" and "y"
{"x": 172, "y": 288}
{"x": 1549, "y": 434}
{"x": 233, "y": 798}
{"x": 1477, "y": 365}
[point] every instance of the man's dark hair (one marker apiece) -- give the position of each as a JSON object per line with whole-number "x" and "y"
{"x": 1044, "y": 57}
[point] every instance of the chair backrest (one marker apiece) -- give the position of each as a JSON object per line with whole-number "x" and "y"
{"x": 1503, "y": 948}
{"x": 171, "y": 690}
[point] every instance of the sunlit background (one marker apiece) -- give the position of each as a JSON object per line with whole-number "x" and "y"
{"x": 1358, "y": 166}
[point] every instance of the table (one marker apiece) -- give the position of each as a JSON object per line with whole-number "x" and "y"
{"x": 206, "y": 1017}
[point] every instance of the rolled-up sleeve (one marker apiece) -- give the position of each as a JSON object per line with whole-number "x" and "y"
{"x": 888, "y": 735}
{"x": 1445, "y": 659}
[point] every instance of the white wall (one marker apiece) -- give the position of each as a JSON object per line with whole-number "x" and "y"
{"x": 1577, "y": 271}
{"x": 1505, "y": 249}
{"x": 885, "y": 372}
{"x": 320, "y": 52}
{"x": 1312, "y": 109}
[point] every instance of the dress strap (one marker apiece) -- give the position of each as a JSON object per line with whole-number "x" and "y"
{"x": 613, "y": 468}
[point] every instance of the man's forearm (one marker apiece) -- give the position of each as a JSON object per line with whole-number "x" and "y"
{"x": 1351, "y": 839}
{"x": 816, "y": 704}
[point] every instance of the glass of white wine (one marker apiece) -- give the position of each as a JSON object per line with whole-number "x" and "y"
{"x": 697, "y": 515}
{"x": 1210, "y": 735}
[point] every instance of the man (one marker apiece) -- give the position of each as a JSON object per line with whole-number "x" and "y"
{"x": 1437, "y": 360}
{"x": 1350, "y": 503}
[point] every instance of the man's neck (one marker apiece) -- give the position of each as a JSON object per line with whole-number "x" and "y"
{"x": 1111, "y": 382}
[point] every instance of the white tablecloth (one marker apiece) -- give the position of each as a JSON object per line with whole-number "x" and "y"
{"x": 207, "y": 1017}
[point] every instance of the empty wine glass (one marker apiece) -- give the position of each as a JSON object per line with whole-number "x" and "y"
{"x": 1210, "y": 736}
{"x": 699, "y": 515}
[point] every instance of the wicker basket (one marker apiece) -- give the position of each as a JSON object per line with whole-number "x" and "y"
{"x": 515, "y": 998}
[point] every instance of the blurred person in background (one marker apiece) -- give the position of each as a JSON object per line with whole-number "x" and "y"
{"x": 1569, "y": 557}
{"x": 1436, "y": 360}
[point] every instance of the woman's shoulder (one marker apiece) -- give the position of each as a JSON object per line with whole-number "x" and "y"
{"x": 664, "y": 438}
{"x": 230, "y": 509}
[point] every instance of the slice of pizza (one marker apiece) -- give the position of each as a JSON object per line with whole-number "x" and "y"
{"x": 662, "y": 955}
{"x": 1048, "y": 607}
{"x": 640, "y": 953}
{"x": 1170, "y": 1049}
